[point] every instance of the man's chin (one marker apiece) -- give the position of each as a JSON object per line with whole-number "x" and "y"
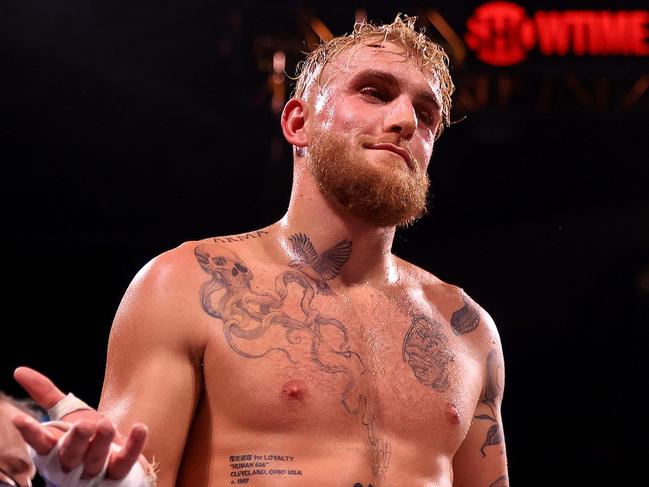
{"x": 389, "y": 161}
{"x": 376, "y": 186}
{"x": 381, "y": 215}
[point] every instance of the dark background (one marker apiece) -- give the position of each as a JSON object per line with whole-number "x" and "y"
{"x": 127, "y": 128}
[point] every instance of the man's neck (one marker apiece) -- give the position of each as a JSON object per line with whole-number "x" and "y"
{"x": 326, "y": 226}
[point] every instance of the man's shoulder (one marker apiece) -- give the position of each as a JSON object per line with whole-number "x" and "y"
{"x": 249, "y": 237}
{"x": 440, "y": 293}
{"x": 170, "y": 263}
{"x": 187, "y": 255}
{"x": 432, "y": 285}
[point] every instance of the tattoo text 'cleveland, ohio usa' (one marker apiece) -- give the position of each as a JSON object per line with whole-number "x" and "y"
{"x": 248, "y": 465}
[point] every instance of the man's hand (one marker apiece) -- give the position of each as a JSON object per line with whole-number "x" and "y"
{"x": 90, "y": 436}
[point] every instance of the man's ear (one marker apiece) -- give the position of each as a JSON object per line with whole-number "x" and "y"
{"x": 294, "y": 122}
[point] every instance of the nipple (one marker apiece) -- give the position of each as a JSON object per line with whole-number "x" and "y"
{"x": 295, "y": 390}
{"x": 452, "y": 414}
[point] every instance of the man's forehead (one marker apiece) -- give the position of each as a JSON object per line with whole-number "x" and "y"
{"x": 378, "y": 56}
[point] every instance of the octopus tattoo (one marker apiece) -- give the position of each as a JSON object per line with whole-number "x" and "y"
{"x": 250, "y": 316}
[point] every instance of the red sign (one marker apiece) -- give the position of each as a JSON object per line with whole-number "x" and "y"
{"x": 502, "y": 34}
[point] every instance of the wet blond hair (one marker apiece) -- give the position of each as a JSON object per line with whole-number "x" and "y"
{"x": 427, "y": 54}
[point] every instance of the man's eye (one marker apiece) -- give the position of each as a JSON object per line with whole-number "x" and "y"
{"x": 425, "y": 117}
{"x": 372, "y": 92}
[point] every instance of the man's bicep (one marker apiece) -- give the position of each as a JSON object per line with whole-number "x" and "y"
{"x": 161, "y": 392}
{"x": 481, "y": 460}
{"x": 152, "y": 371}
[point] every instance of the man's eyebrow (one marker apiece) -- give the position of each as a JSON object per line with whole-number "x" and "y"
{"x": 428, "y": 97}
{"x": 425, "y": 96}
{"x": 375, "y": 73}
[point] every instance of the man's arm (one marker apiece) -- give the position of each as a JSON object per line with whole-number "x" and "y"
{"x": 152, "y": 377}
{"x": 153, "y": 374}
{"x": 80, "y": 446}
{"x": 481, "y": 460}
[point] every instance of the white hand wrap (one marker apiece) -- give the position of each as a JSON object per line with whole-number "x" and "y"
{"x": 67, "y": 405}
{"x": 49, "y": 467}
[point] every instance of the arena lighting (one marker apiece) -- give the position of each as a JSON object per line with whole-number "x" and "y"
{"x": 502, "y": 34}
{"x": 278, "y": 87}
{"x": 447, "y": 32}
{"x": 639, "y": 88}
{"x": 360, "y": 16}
{"x": 321, "y": 29}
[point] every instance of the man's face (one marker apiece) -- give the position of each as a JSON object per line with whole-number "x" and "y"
{"x": 375, "y": 116}
{"x": 15, "y": 462}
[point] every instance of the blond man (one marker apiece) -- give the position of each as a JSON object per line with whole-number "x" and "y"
{"x": 307, "y": 353}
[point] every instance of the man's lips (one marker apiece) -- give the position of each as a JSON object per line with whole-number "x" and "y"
{"x": 400, "y": 151}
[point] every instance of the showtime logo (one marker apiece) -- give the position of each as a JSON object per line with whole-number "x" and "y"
{"x": 501, "y": 33}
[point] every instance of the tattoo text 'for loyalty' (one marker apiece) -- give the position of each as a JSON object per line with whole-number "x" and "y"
{"x": 250, "y": 465}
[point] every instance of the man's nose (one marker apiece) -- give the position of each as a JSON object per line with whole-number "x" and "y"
{"x": 402, "y": 118}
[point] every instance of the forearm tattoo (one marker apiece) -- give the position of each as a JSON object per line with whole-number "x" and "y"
{"x": 251, "y": 319}
{"x": 425, "y": 349}
{"x": 491, "y": 398}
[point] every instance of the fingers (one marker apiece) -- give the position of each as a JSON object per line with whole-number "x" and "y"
{"x": 99, "y": 448}
{"x": 75, "y": 444}
{"x": 120, "y": 463}
{"x": 86, "y": 442}
{"x": 39, "y": 387}
{"x": 40, "y": 439}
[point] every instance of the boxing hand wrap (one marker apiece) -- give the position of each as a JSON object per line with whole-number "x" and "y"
{"x": 67, "y": 405}
{"x": 142, "y": 474}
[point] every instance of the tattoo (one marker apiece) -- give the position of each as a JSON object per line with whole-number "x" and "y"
{"x": 249, "y": 315}
{"x": 255, "y": 325}
{"x": 426, "y": 351}
{"x": 494, "y": 435}
{"x": 243, "y": 467}
{"x": 377, "y": 452}
{"x": 500, "y": 482}
{"x": 319, "y": 267}
{"x": 240, "y": 238}
{"x": 465, "y": 319}
{"x": 493, "y": 389}
{"x": 492, "y": 393}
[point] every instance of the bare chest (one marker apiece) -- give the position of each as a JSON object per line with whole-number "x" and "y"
{"x": 285, "y": 358}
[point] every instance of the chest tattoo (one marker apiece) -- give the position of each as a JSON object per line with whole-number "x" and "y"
{"x": 425, "y": 349}
{"x": 251, "y": 316}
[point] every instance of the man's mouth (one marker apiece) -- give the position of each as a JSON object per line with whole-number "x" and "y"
{"x": 400, "y": 151}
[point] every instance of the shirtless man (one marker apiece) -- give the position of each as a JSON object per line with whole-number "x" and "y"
{"x": 306, "y": 353}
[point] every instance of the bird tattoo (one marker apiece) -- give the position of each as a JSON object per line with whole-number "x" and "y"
{"x": 319, "y": 267}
